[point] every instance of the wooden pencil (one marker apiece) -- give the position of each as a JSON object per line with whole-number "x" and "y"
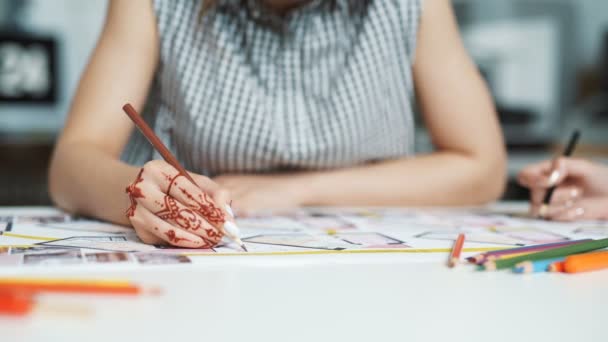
{"x": 548, "y": 254}
{"x": 15, "y": 303}
{"x": 493, "y": 255}
{"x": 556, "y": 267}
{"x": 586, "y": 262}
{"x": 456, "y": 251}
{"x": 36, "y": 285}
{"x": 155, "y": 141}
{"x": 535, "y": 266}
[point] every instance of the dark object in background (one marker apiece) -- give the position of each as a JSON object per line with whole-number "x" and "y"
{"x": 23, "y": 174}
{"x": 604, "y": 66}
{"x": 28, "y": 72}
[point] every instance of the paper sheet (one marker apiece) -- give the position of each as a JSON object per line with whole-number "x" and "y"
{"x": 50, "y": 237}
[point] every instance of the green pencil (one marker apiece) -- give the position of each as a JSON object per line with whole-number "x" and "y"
{"x": 548, "y": 254}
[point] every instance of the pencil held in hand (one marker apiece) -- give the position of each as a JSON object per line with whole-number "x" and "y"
{"x": 555, "y": 173}
{"x": 201, "y": 205}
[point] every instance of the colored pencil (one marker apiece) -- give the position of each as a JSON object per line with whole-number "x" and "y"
{"x": 535, "y": 266}
{"x": 567, "y": 152}
{"x": 456, "y": 251}
{"x": 556, "y": 267}
{"x": 548, "y": 254}
{"x": 492, "y": 255}
{"x": 14, "y": 303}
{"x": 586, "y": 262}
{"x": 229, "y": 228}
{"x": 37, "y": 285}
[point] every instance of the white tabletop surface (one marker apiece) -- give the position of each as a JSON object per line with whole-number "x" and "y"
{"x": 391, "y": 301}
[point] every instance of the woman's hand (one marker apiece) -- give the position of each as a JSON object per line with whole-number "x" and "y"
{"x": 581, "y": 189}
{"x": 263, "y": 193}
{"x": 167, "y": 208}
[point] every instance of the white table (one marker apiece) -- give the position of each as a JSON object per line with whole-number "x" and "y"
{"x": 340, "y": 301}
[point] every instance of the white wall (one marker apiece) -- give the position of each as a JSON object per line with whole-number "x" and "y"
{"x": 593, "y": 19}
{"x": 76, "y": 23}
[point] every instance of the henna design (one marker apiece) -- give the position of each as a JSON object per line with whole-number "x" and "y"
{"x": 205, "y": 207}
{"x": 183, "y": 217}
{"x": 134, "y": 192}
{"x": 171, "y": 236}
{"x": 188, "y": 219}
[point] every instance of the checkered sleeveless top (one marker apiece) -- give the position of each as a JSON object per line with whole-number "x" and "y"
{"x": 242, "y": 89}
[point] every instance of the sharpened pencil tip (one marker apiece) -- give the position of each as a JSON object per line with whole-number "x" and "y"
{"x": 244, "y": 248}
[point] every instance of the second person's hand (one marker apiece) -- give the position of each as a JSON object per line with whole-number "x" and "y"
{"x": 581, "y": 189}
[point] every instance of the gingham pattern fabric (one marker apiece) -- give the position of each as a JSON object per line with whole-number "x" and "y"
{"x": 243, "y": 90}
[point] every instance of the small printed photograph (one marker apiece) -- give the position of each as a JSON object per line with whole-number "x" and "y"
{"x": 371, "y": 240}
{"x": 42, "y": 219}
{"x": 108, "y": 258}
{"x": 6, "y": 223}
{"x": 114, "y": 243}
{"x": 34, "y": 249}
{"x": 592, "y": 231}
{"x": 161, "y": 259}
{"x": 299, "y": 240}
{"x": 58, "y": 257}
{"x": 480, "y": 237}
{"x": 10, "y": 260}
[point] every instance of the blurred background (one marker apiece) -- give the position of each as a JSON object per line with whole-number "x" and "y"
{"x": 546, "y": 62}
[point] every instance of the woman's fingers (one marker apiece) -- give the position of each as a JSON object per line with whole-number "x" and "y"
{"x": 530, "y": 176}
{"x": 147, "y": 224}
{"x": 562, "y": 194}
{"x": 551, "y": 210}
{"x": 586, "y": 209}
{"x": 195, "y": 196}
{"x": 549, "y": 173}
{"x": 178, "y": 215}
{"x": 543, "y": 175}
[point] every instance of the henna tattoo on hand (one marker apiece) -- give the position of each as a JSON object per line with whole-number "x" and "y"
{"x": 188, "y": 219}
{"x": 171, "y": 236}
{"x": 134, "y": 192}
{"x": 203, "y": 205}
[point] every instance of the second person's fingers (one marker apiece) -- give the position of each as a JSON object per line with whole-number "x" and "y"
{"x": 586, "y": 209}
{"x": 561, "y": 194}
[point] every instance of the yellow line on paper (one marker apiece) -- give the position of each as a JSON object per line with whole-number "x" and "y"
{"x": 31, "y": 237}
{"x": 351, "y": 251}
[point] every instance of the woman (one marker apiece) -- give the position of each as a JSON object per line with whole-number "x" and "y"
{"x": 581, "y": 189}
{"x": 275, "y": 104}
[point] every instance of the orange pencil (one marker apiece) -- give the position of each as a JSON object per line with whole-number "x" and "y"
{"x": 37, "y": 285}
{"x": 586, "y": 262}
{"x": 15, "y": 303}
{"x": 456, "y": 250}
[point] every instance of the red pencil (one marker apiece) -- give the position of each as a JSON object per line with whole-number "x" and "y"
{"x": 456, "y": 250}
{"x": 15, "y": 303}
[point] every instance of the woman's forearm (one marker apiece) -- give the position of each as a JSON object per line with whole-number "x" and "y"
{"x": 83, "y": 179}
{"x": 442, "y": 178}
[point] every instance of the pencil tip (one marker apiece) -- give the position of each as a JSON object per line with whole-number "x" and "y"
{"x": 244, "y": 248}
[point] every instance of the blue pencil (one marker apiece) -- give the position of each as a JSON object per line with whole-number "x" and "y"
{"x": 535, "y": 266}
